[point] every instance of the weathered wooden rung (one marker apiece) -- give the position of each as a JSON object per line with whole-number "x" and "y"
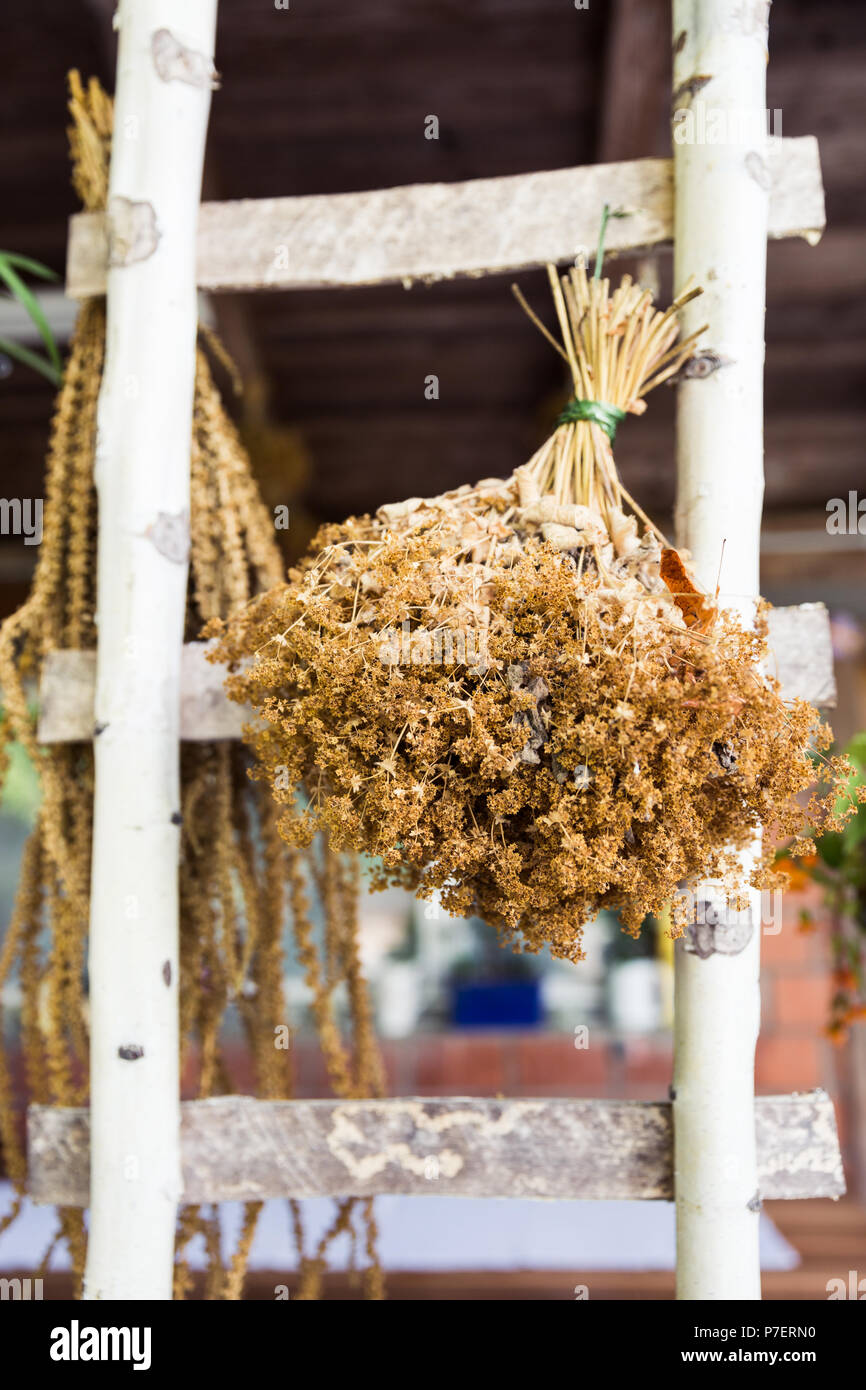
{"x": 800, "y": 638}
{"x": 66, "y": 696}
{"x": 235, "y": 1148}
{"x": 801, "y": 647}
{"x": 435, "y": 231}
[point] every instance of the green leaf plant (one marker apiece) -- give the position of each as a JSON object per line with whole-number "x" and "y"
{"x": 11, "y": 264}
{"x": 837, "y": 864}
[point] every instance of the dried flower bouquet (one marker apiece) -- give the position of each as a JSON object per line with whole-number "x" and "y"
{"x": 514, "y": 693}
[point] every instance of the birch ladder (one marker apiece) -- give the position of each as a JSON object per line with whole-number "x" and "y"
{"x": 719, "y": 213}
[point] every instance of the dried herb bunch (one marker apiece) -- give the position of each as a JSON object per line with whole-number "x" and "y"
{"x": 238, "y": 878}
{"x": 515, "y": 693}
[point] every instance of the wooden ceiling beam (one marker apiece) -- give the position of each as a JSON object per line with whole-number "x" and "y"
{"x": 637, "y": 80}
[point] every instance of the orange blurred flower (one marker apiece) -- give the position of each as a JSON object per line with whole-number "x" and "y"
{"x": 845, "y": 978}
{"x": 797, "y": 870}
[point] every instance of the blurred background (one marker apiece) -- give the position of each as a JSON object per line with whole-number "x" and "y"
{"x": 330, "y": 97}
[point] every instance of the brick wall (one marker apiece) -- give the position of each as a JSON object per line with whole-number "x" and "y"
{"x": 793, "y": 1052}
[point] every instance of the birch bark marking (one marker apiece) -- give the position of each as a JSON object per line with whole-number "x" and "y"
{"x": 142, "y": 477}
{"x": 720, "y": 238}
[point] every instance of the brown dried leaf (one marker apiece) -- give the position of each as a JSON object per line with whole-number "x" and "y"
{"x": 698, "y": 613}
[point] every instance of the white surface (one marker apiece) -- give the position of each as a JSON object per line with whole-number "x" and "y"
{"x": 442, "y": 1233}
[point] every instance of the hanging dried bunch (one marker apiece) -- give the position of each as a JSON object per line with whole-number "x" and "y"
{"x": 238, "y": 878}
{"x": 514, "y": 693}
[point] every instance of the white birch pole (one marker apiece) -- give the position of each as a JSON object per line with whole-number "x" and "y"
{"x": 164, "y": 79}
{"x": 720, "y": 238}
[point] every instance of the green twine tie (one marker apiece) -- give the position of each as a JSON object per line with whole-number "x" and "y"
{"x": 599, "y": 412}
